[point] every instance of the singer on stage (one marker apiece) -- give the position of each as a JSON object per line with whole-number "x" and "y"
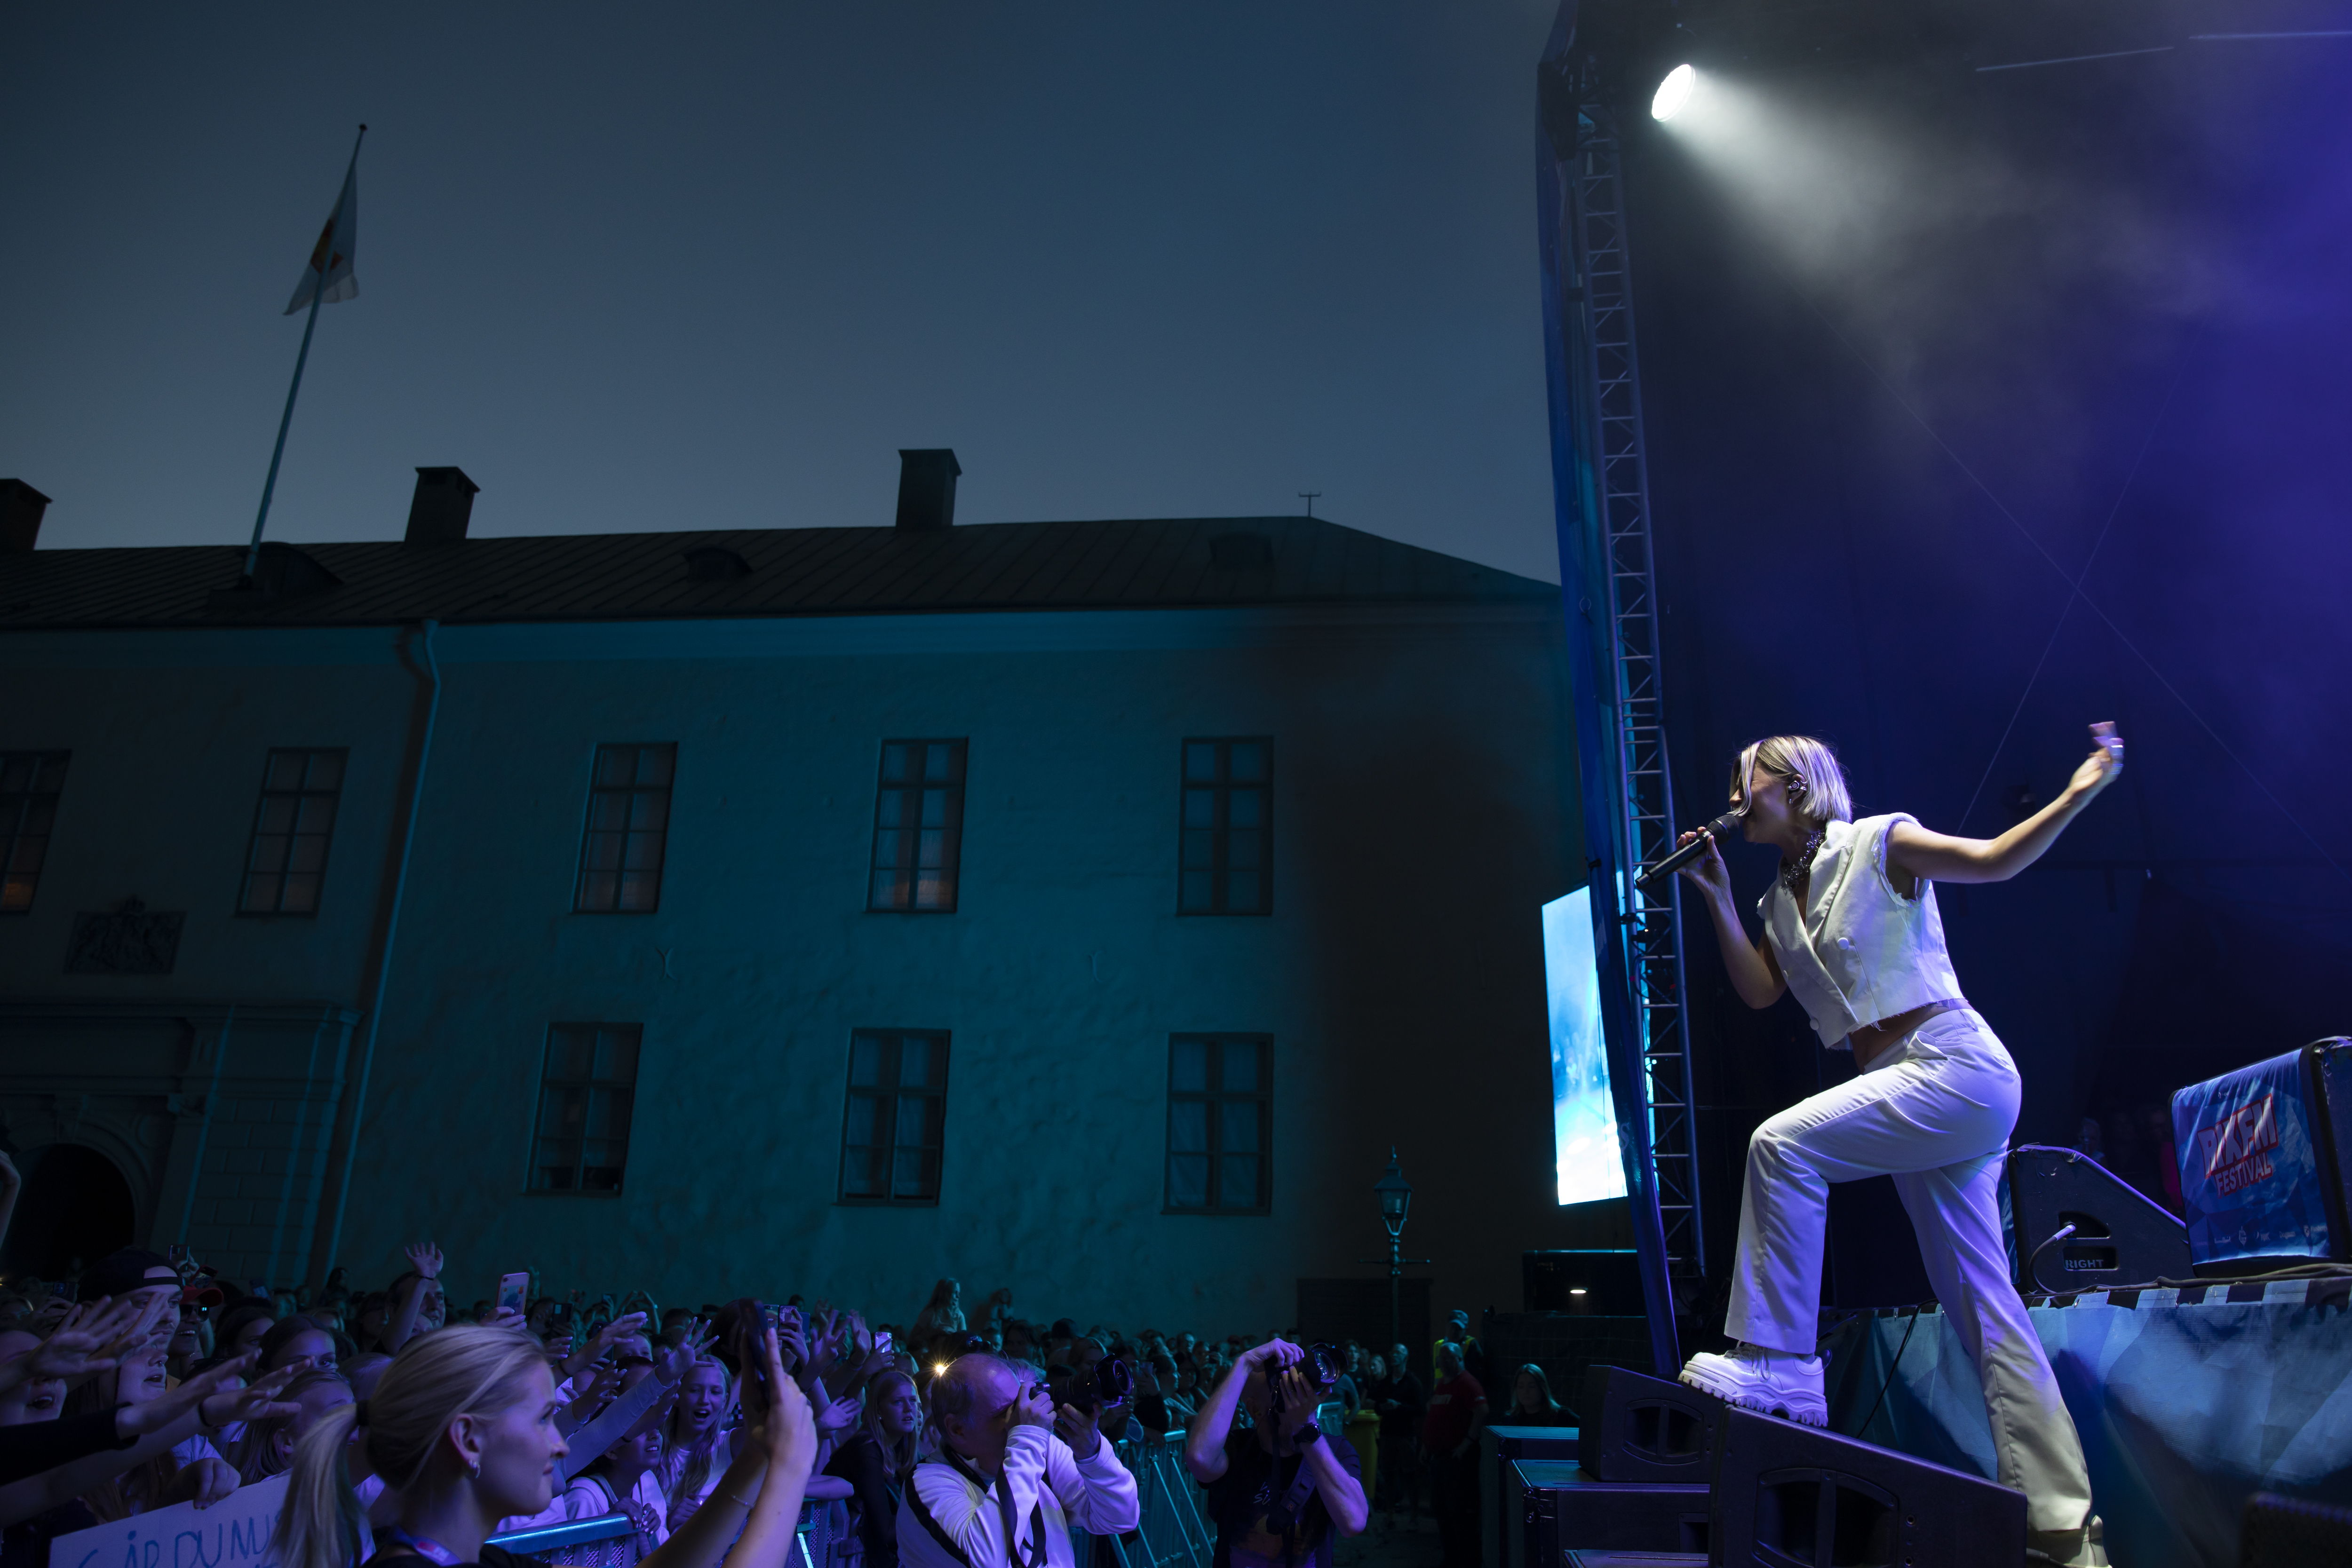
{"x": 1850, "y": 925}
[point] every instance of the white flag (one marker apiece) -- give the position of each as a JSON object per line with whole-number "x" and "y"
{"x": 330, "y": 259}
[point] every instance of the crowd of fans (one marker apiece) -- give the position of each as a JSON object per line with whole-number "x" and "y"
{"x": 408, "y": 1425}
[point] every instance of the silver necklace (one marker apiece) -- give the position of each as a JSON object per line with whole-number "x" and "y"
{"x": 1793, "y": 873}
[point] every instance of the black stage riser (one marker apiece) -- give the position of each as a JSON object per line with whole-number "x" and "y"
{"x": 1638, "y": 1428}
{"x": 1786, "y": 1494}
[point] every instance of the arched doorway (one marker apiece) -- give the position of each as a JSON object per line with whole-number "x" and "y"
{"x": 75, "y": 1209}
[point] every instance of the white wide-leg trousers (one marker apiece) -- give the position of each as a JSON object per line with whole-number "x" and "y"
{"x": 1934, "y": 1111}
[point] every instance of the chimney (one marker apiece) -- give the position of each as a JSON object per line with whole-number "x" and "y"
{"x": 927, "y": 477}
{"x": 21, "y": 507}
{"x": 443, "y": 507}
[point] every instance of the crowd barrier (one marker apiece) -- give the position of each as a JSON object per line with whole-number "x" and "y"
{"x": 1172, "y": 1531}
{"x": 611, "y": 1540}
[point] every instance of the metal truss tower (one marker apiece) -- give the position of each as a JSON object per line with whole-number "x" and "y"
{"x": 1602, "y": 504}
{"x": 1644, "y": 802}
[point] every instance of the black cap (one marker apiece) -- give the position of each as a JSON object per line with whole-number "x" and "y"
{"x": 124, "y": 1272}
{"x": 1063, "y": 1328}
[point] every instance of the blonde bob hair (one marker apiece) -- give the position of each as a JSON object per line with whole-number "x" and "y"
{"x": 468, "y": 1370}
{"x": 1817, "y": 786}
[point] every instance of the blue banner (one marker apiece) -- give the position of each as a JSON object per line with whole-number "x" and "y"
{"x": 2251, "y": 1176}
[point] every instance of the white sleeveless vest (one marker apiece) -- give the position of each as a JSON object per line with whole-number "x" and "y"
{"x": 1858, "y": 951}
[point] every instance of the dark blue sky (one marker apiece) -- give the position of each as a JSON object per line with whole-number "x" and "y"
{"x": 711, "y": 269}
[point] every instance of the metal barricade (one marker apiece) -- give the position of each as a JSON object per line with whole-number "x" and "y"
{"x": 607, "y": 1540}
{"x": 1172, "y": 1531}
{"x": 611, "y": 1540}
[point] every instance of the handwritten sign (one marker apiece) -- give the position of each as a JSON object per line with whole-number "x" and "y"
{"x": 232, "y": 1533}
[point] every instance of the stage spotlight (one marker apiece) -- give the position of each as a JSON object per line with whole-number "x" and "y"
{"x": 1673, "y": 92}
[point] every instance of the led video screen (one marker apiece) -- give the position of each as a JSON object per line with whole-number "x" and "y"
{"x": 1583, "y": 1117}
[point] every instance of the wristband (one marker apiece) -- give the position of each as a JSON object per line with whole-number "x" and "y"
{"x": 1306, "y": 1436}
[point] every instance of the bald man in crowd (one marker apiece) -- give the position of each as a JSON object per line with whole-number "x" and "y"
{"x": 1013, "y": 1478}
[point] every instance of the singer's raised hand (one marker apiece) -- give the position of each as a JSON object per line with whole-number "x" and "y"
{"x": 1707, "y": 872}
{"x": 2103, "y": 766}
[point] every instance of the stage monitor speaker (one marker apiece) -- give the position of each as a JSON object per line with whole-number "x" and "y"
{"x": 1569, "y": 1509}
{"x": 2266, "y": 1159}
{"x": 1638, "y": 1428}
{"x": 2121, "y": 1237}
{"x": 1788, "y": 1496}
{"x": 1602, "y": 1282}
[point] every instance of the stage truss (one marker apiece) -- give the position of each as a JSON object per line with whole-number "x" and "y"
{"x": 1646, "y": 794}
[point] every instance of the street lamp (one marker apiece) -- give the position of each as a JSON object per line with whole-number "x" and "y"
{"x": 1395, "y": 1194}
{"x": 1396, "y": 1198}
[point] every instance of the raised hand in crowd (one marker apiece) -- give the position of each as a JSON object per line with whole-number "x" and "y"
{"x": 835, "y": 1417}
{"x": 672, "y": 1362}
{"x": 421, "y": 1306}
{"x": 791, "y": 1339}
{"x": 594, "y": 1347}
{"x": 256, "y": 1401}
{"x": 92, "y": 1338}
{"x": 210, "y": 1399}
{"x": 585, "y": 1403}
{"x": 823, "y": 1350}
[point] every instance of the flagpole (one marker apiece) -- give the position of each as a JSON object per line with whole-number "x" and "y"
{"x": 318, "y": 297}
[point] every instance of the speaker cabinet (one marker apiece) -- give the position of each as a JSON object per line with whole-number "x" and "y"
{"x": 1570, "y": 1510}
{"x": 2121, "y": 1237}
{"x": 1638, "y": 1428}
{"x": 1788, "y": 1496}
{"x": 1502, "y": 1499}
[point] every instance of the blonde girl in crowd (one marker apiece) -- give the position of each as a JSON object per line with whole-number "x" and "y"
{"x": 461, "y": 1428}
{"x": 697, "y": 1446}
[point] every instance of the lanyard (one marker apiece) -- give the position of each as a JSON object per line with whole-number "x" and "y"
{"x": 423, "y": 1546}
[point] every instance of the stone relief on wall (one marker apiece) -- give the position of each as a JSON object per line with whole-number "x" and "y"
{"x": 130, "y": 940}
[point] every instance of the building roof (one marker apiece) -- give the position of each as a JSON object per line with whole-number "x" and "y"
{"x": 1152, "y": 563}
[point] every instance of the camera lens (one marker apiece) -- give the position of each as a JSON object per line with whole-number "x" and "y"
{"x": 1113, "y": 1383}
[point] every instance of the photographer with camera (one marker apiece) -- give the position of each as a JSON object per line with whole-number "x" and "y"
{"x": 1277, "y": 1490}
{"x": 1012, "y": 1478}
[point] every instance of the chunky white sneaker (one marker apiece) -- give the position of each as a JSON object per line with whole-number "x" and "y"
{"x": 1779, "y": 1383}
{"x": 2084, "y": 1548}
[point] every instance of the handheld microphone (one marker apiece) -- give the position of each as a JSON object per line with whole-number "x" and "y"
{"x": 1723, "y": 826}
